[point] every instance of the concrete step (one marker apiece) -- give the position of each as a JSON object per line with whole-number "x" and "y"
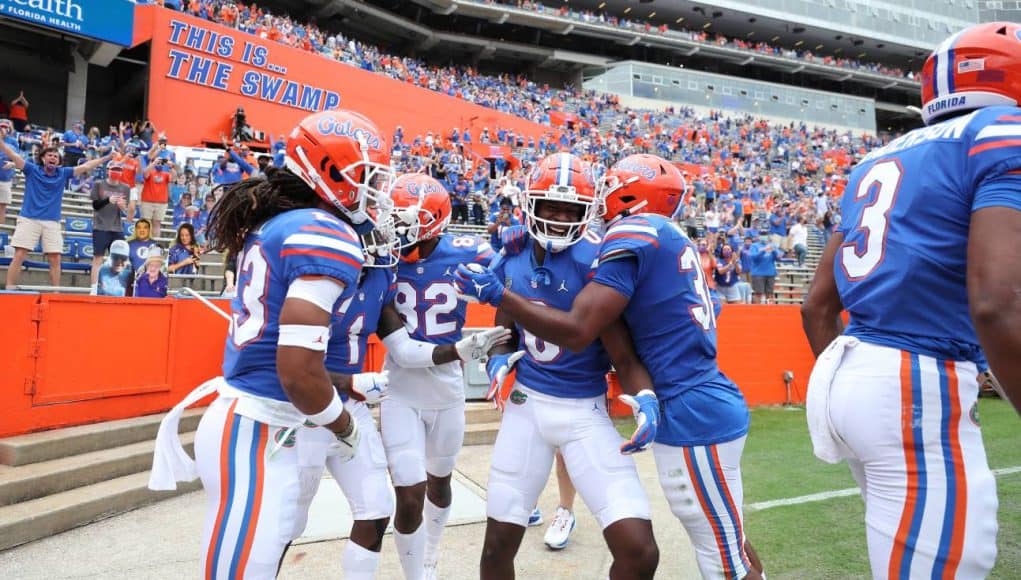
{"x": 57, "y": 443}
{"x": 481, "y": 412}
{"x": 28, "y": 482}
{"x": 46, "y": 516}
{"x": 481, "y": 433}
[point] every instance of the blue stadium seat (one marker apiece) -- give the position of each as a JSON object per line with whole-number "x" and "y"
{"x": 79, "y": 248}
{"x": 4, "y": 240}
{"x": 78, "y": 225}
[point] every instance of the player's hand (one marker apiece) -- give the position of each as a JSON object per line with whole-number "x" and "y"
{"x": 498, "y": 367}
{"x": 514, "y": 239}
{"x": 645, "y": 406}
{"x": 478, "y": 284}
{"x": 346, "y": 446}
{"x": 478, "y": 345}
{"x": 370, "y": 387}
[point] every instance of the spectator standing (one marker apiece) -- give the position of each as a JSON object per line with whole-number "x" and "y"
{"x": 75, "y": 143}
{"x": 500, "y": 219}
{"x": 184, "y": 254}
{"x": 40, "y": 212}
{"x": 109, "y": 197}
{"x": 140, "y": 243}
{"x": 130, "y": 174}
{"x": 151, "y": 281}
{"x": 764, "y": 258}
{"x": 6, "y": 169}
{"x": 778, "y": 227}
{"x": 799, "y": 240}
{"x": 746, "y": 258}
{"x": 19, "y": 112}
{"x": 156, "y": 191}
{"x": 115, "y": 274}
{"x": 727, "y": 275}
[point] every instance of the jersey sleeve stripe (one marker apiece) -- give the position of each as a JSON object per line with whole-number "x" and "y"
{"x": 323, "y": 242}
{"x": 322, "y": 254}
{"x": 634, "y": 228}
{"x": 329, "y": 231}
{"x": 640, "y": 237}
{"x": 1009, "y": 118}
{"x": 615, "y": 253}
{"x": 989, "y": 131}
{"x": 994, "y": 145}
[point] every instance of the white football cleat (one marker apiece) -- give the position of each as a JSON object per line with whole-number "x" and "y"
{"x": 559, "y": 531}
{"x": 429, "y": 571}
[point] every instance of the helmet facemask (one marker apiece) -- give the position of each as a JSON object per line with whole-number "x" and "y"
{"x": 556, "y": 235}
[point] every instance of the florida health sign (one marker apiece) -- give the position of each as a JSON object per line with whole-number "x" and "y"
{"x": 106, "y": 20}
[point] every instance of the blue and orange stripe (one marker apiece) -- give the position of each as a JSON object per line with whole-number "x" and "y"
{"x": 951, "y": 543}
{"x": 322, "y": 253}
{"x": 231, "y": 424}
{"x": 732, "y": 509}
{"x": 633, "y": 235}
{"x": 329, "y": 232}
{"x": 707, "y": 508}
{"x": 906, "y": 538}
{"x": 250, "y": 521}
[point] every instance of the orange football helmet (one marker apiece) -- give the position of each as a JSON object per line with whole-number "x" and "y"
{"x": 561, "y": 177}
{"x": 641, "y": 184}
{"x": 421, "y": 209}
{"x": 979, "y": 66}
{"x": 345, "y": 158}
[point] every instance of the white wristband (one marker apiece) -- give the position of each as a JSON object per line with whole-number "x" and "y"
{"x": 304, "y": 335}
{"x": 331, "y": 413}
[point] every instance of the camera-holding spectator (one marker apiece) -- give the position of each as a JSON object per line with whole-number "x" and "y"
{"x": 114, "y": 276}
{"x": 140, "y": 243}
{"x": 185, "y": 254}
{"x": 500, "y": 219}
{"x": 6, "y": 168}
{"x": 799, "y": 240}
{"x": 40, "y": 212}
{"x": 765, "y": 255}
{"x": 109, "y": 197}
{"x": 230, "y": 167}
{"x": 151, "y": 281}
{"x": 19, "y": 112}
{"x": 156, "y": 190}
{"x": 75, "y": 144}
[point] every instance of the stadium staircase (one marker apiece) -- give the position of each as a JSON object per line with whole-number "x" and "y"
{"x": 57, "y": 480}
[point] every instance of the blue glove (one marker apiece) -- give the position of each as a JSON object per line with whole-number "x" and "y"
{"x": 477, "y": 284}
{"x": 497, "y": 368}
{"x": 645, "y": 406}
{"x": 513, "y": 239}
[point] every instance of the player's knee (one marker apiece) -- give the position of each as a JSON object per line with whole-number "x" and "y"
{"x": 439, "y": 491}
{"x": 410, "y": 501}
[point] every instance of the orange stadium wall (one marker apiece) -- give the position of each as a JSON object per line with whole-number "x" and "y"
{"x": 195, "y": 87}
{"x": 72, "y": 360}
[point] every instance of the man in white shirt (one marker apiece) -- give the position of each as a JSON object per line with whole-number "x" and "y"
{"x": 799, "y": 240}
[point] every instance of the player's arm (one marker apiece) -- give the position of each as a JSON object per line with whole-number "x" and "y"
{"x": 635, "y": 382}
{"x": 820, "y": 313}
{"x": 994, "y": 289}
{"x": 304, "y": 334}
{"x": 593, "y": 309}
{"x": 413, "y": 354}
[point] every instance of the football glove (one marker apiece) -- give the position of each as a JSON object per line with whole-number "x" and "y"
{"x": 513, "y": 239}
{"x": 345, "y": 446}
{"x": 478, "y": 284}
{"x": 498, "y": 367}
{"x": 370, "y": 387}
{"x": 645, "y": 406}
{"x": 478, "y": 345}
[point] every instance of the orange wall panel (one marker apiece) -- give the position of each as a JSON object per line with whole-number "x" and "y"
{"x": 201, "y": 72}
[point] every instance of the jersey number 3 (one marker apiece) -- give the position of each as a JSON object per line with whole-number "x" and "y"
{"x": 882, "y": 181}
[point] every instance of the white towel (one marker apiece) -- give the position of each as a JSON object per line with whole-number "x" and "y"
{"x": 825, "y": 442}
{"x": 170, "y": 462}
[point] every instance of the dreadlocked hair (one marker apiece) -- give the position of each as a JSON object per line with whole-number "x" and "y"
{"x": 245, "y": 205}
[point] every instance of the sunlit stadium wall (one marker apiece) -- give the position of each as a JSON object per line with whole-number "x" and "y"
{"x": 921, "y": 23}
{"x": 677, "y": 86}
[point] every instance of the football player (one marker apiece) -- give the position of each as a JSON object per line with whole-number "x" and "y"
{"x": 559, "y": 397}
{"x": 649, "y": 272}
{"x": 262, "y": 444}
{"x": 927, "y": 263}
{"x": 422, "y": 420}
{"x": 363, "y": 480}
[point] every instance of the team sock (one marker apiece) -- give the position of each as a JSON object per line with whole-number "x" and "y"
{"x": 435, "y": 520}
{"x": 411, "y": 549}
{"x": 359, "y": 563}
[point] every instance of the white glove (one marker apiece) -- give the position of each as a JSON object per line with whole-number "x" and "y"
{"x": 476, "y": 346}
{"x": 345, "y": 447}
{"x": 371, "y": 387}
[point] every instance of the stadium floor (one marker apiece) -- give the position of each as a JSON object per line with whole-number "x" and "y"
{"x": 161, "y": 541}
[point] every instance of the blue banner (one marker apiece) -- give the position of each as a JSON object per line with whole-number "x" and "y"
{"x": 106, "y": 20}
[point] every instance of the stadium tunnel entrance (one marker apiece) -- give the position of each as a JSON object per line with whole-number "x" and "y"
{"x": 67, "y": 77}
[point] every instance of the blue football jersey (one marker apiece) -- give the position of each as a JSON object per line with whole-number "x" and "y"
{"x": 303, "y": 242}
{"x": 901, "y": 271}
{"x": 673, "y": 325}
{"x": 357, "y": 318}
{"x": 426, "y": 297}
{"x": 546, "y": 367}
